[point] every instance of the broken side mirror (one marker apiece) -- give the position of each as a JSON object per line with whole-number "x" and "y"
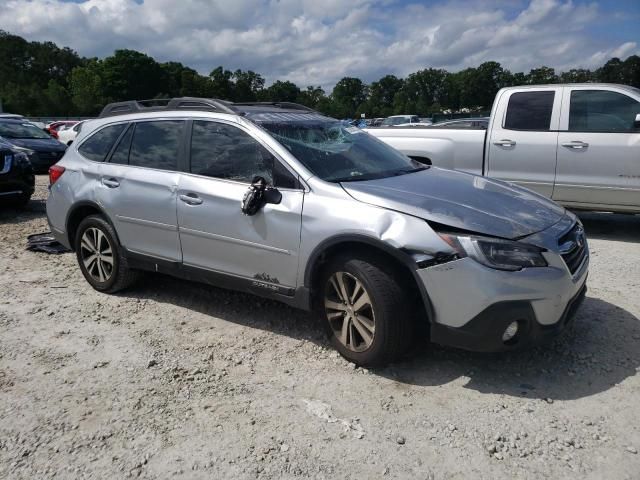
{"x": 257, "y": 195}
{"x": 272, "y": 195}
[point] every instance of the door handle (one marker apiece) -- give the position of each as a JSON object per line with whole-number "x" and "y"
{"x": 110, "y": 182}
{"x": 190, "y": 199}
{"x": 505, "y": 143}
{"x": 577, "y": 145}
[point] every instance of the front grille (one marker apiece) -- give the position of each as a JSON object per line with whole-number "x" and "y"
{"x": 573, "y": 248}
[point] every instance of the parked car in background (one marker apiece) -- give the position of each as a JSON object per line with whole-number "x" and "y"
{"x": 21, "y": 135}
{"x": 10, "y": 115}
{"x": 68, "y": 135}
{"x": 578, "y": 144}
{"x": 281, "y": 201}
{"x": 476, "y": 123}
{"x": 17, "y": 182}
{"x": 399, "y": 120}
{"x": 54, "y": 127}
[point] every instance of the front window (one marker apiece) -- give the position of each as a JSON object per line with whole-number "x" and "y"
{"x": 391, "y": 121}
{"x": 334, "y": 152}
{"x": 21, "y": 130}
{"x": 602, "y": 111}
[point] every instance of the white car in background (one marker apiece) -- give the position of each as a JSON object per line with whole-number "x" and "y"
{"x": 397, "y": 120}
{"x": 68, "y": 135}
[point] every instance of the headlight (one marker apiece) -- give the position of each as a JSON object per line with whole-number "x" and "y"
{"x": 496, "y": 253}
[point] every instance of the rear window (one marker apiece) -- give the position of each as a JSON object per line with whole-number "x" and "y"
{"x": 156, "y": 144}
{"x": 98, "y": 145}
{"x": 530, "y": 111}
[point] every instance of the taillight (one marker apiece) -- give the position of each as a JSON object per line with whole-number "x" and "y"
{"x": 55, "y": 172}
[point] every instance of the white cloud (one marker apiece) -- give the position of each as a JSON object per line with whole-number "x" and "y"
{"x": 319, "y": 41}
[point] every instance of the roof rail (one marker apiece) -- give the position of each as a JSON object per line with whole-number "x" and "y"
{"x": 289, "y": 105}
{"x": 167, "y": 104}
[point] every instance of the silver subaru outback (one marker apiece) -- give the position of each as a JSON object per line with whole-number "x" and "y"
{"x": 280, "y": 201}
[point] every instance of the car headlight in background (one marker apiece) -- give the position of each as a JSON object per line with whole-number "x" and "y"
{"x": 496, "y": 253}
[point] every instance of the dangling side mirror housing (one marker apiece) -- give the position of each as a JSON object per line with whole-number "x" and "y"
{"x": 257, "y": 195}
{"x": 272, "y": 195}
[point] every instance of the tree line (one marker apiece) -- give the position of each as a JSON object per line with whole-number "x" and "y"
{"x": 42, "y": 79}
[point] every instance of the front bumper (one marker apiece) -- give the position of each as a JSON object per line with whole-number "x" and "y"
{"x": 484, "y": 332}
{"x": 473, "y": 304}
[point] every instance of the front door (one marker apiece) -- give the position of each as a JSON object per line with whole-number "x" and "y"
{"x": 261, "y": 250}
{"x": 521, "y": 147}
{"x": 599, "y": 149}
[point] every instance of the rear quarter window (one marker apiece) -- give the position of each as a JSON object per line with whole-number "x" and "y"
{"x": 98, "y": 145}
{"x": 530, "y": 111}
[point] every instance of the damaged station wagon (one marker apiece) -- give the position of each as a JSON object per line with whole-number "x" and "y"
{"x": 281, "y": 201}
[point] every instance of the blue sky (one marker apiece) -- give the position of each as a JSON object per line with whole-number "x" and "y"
{"x": 316, "y": 42}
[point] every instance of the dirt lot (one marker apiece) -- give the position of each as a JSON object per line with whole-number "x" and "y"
{"x": 176, "y": 379}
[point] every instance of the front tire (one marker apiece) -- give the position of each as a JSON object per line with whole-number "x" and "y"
{"x": 367, "y": 314}
{"x": 100, "y": 256}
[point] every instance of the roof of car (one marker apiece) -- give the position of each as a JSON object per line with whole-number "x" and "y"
{"x": 200, "y": 104}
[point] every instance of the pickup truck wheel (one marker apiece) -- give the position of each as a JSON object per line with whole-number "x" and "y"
{"x": 364, "y": 310}
{"x": 100, "y": 256}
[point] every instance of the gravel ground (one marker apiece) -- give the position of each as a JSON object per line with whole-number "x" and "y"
{"x": 176, "y": 379}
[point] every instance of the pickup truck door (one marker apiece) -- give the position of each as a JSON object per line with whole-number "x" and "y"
{"x": 521, "y": 145}
{"x": 599, "y": 148}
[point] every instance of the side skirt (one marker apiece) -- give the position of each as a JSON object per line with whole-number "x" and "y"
{"x": 295, "y": 297}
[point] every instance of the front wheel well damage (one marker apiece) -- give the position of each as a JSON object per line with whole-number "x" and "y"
{"x": 400, "y": 270}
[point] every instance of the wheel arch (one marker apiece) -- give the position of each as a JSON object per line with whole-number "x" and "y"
{"x": 79, "y": 212}
{"x": 333, "y": 246}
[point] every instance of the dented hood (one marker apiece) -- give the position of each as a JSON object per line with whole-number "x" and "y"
{"x": 461, "y": 200}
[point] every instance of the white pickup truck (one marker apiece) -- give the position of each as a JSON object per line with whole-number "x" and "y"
{"x": 578, "y": 144}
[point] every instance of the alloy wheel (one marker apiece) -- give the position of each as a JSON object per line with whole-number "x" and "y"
{"x": 96, "y": 254}
{"x": 349, "y": 311}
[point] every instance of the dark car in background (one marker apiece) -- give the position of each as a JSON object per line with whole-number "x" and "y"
{"x": 16, "y": 177}
{"x": 22, "y": 136}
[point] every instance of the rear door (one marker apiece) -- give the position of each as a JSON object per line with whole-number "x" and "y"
{"x": 521, "y": 147}
{"x": 599, "y": 148}
{"x": 138, "y": 186}
{"x": 260, "y": 250}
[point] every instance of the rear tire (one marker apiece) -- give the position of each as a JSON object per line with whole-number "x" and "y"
{"x": 101, "y": 257}
{"x": 374, "y": 325}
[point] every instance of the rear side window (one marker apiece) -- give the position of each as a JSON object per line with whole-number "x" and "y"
{"x": 98, "y": 145}
{"x": 224, "y": 151}
{"x": 121, "y": 153}
{"x": 530, "y": 111}
{"x": 156, "y": 144}
{"x": 602, "y": 111}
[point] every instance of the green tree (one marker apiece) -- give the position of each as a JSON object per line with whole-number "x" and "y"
{"x": 542, "y": 75}
{"x": 576, "y": 75}
{"x": 381, "y": 96}
{"x": 348, "y": 94}
{"x": 86, "y": 88}
{"x": 247, "y": 86}
{"x": 281, "y": 91}
{"x": 130, "y": 75}
{"x": 312, "y": 96}
{"x": 221, "y": 83}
